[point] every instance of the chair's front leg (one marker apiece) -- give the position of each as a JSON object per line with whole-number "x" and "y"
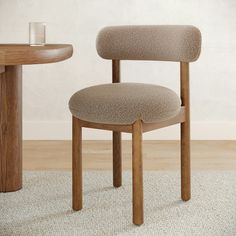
{"x": 185, "y": 134}
{"x": 137, "y": 171}
{"x": 117, "y": 159}
{"x": 76, "y": 164}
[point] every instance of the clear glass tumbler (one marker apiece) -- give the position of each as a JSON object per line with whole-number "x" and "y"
{"x": 37, "y": 33}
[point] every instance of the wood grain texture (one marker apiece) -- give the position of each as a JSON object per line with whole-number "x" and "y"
{"x": 112, "y": 127}
{"x": 2, "y": 69}
{"x": 117, "y": 159}
{"x": 208, "y": 155}
{"x": 116, "y": 136}
{"x": 137, "y": 173}
{"x": 185, "y": 134}
{"x": 76, "y": 165}
{"x": 11, "y": 129}
{"x": 115, "y": 71}
{"x": 12, "y": 56}
{"x": 22, "y": 54}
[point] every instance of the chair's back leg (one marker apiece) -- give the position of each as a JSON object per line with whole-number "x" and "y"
{"x": 117, "y": 153}
{"x": 185, "y": 134}
{"x": 137, "y": 172}
{"x": 76, "y": 164}
{"x": 117, "y": 160}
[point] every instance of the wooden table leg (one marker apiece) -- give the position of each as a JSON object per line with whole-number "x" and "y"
{"x": 11, "y": 129}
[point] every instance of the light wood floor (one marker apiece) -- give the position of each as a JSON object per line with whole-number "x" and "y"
{"x": 158, "y": 155}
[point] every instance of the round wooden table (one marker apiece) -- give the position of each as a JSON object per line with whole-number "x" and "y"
{"x": 12, "y": 57}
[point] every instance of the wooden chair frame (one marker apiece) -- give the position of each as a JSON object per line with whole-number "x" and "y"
{"x": 137, "y": 129}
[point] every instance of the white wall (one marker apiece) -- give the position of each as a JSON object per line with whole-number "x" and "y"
{"x": 47, "y": 88}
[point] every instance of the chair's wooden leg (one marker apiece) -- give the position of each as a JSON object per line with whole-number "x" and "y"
{"x": 185, "y": 135}
{"x": 117, "y": 159}
{"x": 76, "y": 164}
{"x": 137, "y": 170}
{"x": 185, "y": 162}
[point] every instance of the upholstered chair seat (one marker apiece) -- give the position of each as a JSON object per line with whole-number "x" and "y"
{"x": 124, "y": 103}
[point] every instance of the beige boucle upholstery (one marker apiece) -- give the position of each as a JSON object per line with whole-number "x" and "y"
{"x": 153, "y": 42}
{"x": 124, "y": 103}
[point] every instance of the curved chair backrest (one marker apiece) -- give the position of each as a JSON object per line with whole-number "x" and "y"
{"x": 151, "y": 42}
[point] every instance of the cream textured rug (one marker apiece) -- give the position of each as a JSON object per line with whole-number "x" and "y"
{"x": 43, "y": 206}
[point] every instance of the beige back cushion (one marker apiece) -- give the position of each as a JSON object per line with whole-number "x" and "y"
{"x": 150, "y": 42}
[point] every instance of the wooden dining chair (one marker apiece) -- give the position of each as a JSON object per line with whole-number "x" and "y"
{"x": 136, "y": 107}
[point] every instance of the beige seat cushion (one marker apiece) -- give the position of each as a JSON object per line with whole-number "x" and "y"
{"x": 124, "y": 103}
